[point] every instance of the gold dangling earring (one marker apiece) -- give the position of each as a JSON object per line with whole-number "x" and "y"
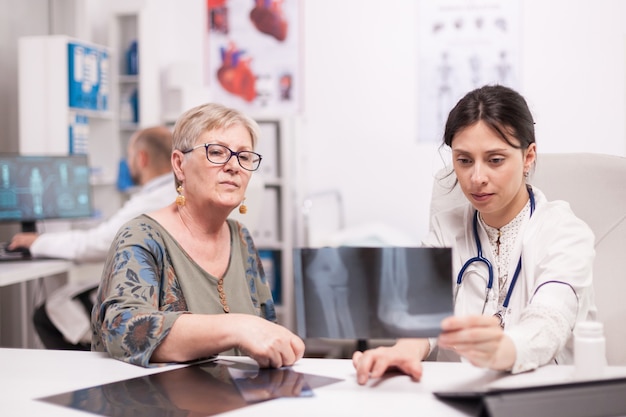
{"x": 180, "y": 198}
{"x": 243, "y": 209}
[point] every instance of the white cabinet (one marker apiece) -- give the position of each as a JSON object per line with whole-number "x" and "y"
{"x": 64, "y": 101}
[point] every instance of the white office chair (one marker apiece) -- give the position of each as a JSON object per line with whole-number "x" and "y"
{"x": 595, "y": 187}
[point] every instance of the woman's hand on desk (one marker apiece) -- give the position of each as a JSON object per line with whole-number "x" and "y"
{"x": 269, "y": 344}
{"x": 196, "y": 336}
{"x": 406, "y": 356}
{"x": 480, "y": 340}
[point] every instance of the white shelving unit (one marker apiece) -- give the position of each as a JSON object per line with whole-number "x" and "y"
{"x": 275, "y": 230}
{"x": 130, "y": 22}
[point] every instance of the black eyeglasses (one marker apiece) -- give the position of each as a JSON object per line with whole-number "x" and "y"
{"x": 220, "y": 155}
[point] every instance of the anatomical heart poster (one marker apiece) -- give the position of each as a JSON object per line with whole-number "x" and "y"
{"x": 254, "y": 55}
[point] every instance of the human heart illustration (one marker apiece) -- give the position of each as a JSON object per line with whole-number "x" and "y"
{"x": 235, "y": 74}
{"x": 267, "y": 16}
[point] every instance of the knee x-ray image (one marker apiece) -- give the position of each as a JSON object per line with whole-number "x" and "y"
{"x": 372, "y": 292}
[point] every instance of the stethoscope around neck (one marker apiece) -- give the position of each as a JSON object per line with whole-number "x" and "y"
{"x": 480, "y": 258}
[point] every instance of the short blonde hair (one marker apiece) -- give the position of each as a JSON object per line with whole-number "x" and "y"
{"x": 207, "y": 117}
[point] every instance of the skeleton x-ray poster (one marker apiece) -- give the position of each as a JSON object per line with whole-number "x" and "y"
{"x": 254, "y": 54}
{"x": 463, "y": 44}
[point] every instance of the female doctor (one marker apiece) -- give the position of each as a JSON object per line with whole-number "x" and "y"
{"x": 523, "y": 265}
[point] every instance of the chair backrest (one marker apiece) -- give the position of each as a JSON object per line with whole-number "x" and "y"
{"x": 595, "y": 187}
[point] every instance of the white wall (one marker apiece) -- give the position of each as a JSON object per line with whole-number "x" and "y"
{"x": 574, "y": 74}
{"x": 358, "y": 130}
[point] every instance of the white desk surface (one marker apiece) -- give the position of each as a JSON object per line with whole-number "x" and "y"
{"x": 16, "y": 272}
{"x": 27, "y": 374}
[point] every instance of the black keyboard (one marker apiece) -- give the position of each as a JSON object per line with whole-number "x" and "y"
{"x": 21, "y": 254}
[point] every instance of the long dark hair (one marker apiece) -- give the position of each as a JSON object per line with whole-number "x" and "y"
{"x": 501, "y": 108}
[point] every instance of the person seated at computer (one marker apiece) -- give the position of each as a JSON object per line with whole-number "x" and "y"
{"x": 185, "y": 282}
{"x": 539, "y": 252}
{"x": 63, "y": 320}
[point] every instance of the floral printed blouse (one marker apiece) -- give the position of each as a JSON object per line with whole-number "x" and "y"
{"x": 149, "y": 280}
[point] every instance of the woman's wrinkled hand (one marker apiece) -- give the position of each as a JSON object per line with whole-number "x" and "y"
{"x": 269, "y": 344}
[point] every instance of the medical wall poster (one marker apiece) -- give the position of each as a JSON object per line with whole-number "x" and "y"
{"x": 88, "y": 74}
{"x": 463, "y": 45}
{"x": 254, "y": 54}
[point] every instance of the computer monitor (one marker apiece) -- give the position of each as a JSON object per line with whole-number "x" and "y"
{"x": 372, "y": 292}
{"x": 44, "y": 187}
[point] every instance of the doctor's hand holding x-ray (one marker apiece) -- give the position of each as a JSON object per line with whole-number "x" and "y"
{"x": 522, "y": 264}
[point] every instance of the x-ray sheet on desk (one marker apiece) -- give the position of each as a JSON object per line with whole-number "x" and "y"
{"x": 372, "y": 292}
{"x": 203, "y": 389}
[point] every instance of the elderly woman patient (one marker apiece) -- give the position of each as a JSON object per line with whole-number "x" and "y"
{"x": 185, "y": 282}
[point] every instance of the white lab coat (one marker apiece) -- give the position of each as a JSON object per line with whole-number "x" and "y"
{"x": 555, "y": 246}
{"x": 92, "y": 245}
